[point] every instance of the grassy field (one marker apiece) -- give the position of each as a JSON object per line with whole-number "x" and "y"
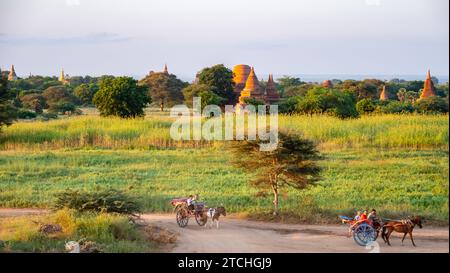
{"x": 397, "y": 164}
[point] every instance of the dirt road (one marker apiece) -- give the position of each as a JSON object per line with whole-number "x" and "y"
{"x": 236, "y": 235}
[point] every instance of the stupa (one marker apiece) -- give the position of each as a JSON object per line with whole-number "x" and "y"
{"x": 240, "y": 75}
{"x": 327, "y": 84}
{"x": 252, "y": 88}
{"x": 63, "y": 78}
{"x": 12, "y": 74}
{"x": 428, "y": 87}
{"x": 271, "y": 91}
{"x": 383, "y": 94}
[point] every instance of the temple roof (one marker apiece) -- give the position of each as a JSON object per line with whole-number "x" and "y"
{"x": 428, "y": 87}
{"x": 12, "y": 74}
{"x": 383, "y": 94}
{"x": 327, "y": 84}
{"x": 240, "y": 73}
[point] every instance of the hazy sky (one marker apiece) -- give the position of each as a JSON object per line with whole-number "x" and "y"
{"x": 131, "y": 37}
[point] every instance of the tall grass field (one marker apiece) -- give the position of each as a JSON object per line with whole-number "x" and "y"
{"x": 397, "y": 164}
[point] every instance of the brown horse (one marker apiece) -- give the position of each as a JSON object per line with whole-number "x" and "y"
{"x": 405, "y": 226}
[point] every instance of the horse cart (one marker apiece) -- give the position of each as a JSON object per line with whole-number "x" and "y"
{"x": 184, "y": 212}
{"x": 364, "y": 232}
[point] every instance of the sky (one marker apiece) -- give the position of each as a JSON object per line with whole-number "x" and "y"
{"x": 285, "y": 37}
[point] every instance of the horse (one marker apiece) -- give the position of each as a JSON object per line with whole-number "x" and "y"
{"x": 214, "y": 214}
{"x": 405, "y": 226}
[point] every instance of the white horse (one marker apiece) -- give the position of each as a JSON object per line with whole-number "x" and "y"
{"x": 214, "y": 214}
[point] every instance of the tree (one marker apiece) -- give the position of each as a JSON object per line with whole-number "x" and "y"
{"x": 8, "y": 112}
{"x": 203, "y": 91}
{"x": 85, "y": 92}
{"x": 292, "y": 163}
{"x": 34, "y": 101}
{"x": 220, "y": 80}
{"x": 432, "y": 105}
{"x": 58, "y": 94}
{"x": 365, "y": 106}
{"x": 121, "y": 97}
{"x": 164, "y": 89}
{"x": 288, "y": 81}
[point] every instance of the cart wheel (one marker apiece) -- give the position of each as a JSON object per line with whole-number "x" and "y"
{"x": 182, "y": 217}
{"x": 200, "y": 218}
{"x": 364, "y": 234}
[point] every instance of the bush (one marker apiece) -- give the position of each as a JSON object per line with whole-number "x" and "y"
{"x": 365, "y": 106}
{"x": 432, "y": 105}
{"x": 288, "y": 106}
{"x": 25, "y": 114}
{"x": 62, "y": 107}
{"x": 101, "y": 201}
{"x": 395, "y": 107}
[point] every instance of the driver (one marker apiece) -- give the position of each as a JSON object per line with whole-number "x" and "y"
{"x": 191, "y": 201}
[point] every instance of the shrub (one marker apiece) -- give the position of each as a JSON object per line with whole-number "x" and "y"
{"x": 395, "y": 107}
{"x": 25, "y": 114}
{"x": 288, "y": 106}
{"x": 365, "y": 106}
{"x": 62, "y": 107}
{"x": 101, "y": 201}
{"x": 432, "y": 105}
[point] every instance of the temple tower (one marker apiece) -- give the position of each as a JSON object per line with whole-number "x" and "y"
{"x": 383, "y": 94}
{"x": 240, "y": 76}
{"x": 327, "y": 84}
{"x": 12, "y": 74}
{"x": 428, "y": 87}
{"x": 271, "y": 91}
{"x": 252, "y": 88}
{"x": 63, "y": 77}
{"x": 166, "y": 71}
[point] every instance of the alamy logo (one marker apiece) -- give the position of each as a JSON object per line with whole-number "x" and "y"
{"x": 212, "y": 124}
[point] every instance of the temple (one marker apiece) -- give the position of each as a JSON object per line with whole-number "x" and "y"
{"x": 383, "y": 94}
{"x": 246, "y": 85}
{"x": 63, "y": 78}
{"x": 428, "y": 87}
{"x": 327, "y": 84}
{"x": 271, "y": 95}
{"x": 252, "y": 88}
{"x": 12, "y": 74}
{"x": 165, "y": 71}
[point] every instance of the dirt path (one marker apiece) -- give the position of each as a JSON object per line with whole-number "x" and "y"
{"x": 236, "y": 235}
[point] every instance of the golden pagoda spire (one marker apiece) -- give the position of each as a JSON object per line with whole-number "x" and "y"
{"x": 251, "y": 89}
{"x": 383, "y": 95}
{"x": 12, "y": 74}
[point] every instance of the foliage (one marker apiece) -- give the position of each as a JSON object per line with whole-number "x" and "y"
{"x": 25, "y": 114}
{"x": 98, "y": 201}
{"x": 62, "y": 108}
{"x": 365, "y": 106}
{"x": 220, "y": 80}
{"x": 432, "y": 105}
{"x": 292, "y": 163}
{"x": 58, "y": 94}
{"x": 34, "y": 101}
{"x": 121, "y": 97}
{"x": 203, "y": 91}
{"x": 85, "y": 92}
{"x": 395, "y": 107}
{"x": 164, "y": 89}
{"x": 327, "y": 101}
{"x": 288, "y": 105}
{"x": 254, "y": 102}
{"x": 286, "y": 82}
{"x": 7, "y": 109}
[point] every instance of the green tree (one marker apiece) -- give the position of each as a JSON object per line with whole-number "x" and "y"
{"x": 432, "y": 105}
{"x": 164, "y": 89}
{"x": 121, "y": 97}
{"x": 292, "y": 163}
{"x": 203, "y": 91}
{"x": 365, "y": 106}
{"x": 220, "y": 80}
{"x": 58, "y": 94}
{"x": 85, "y": 92}
{"x": 34, "y": 101}
{"x": 8, "y": 112}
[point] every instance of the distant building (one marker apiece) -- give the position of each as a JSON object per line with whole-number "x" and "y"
{"x": 165, "y": 71}
{"x": 383, "y": 94}
{"x": 12, "y": 74}
{"x": 428, "y": 87}
{"x": 327, "y": 84}
{"x": 246, "y": 85}
{"x": 63, "y": 78}
{"x": 271, "y": 95}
